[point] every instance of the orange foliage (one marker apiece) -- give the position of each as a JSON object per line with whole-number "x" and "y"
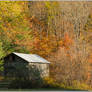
{"x": 43, "y": 46}
{"x": 90, "y": 58}
{"x": 67, "y": 39}
{"x": 66, "y": 42}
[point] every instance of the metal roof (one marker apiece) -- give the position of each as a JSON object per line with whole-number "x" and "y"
{"x": 31, "y": 58}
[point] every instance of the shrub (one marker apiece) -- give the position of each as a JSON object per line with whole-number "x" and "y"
{"x": 1, "y": 78}
{"x": 50, "y": 83}
{"x": 81, "y": 86}
{"x": 25, "y": 84}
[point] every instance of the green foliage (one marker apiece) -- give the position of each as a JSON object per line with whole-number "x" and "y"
{"x": 14, "y": 26}
{"x": 50, "y": 83}
{"x": 25, "y": 84}
{"x": 2, "y": 54}
{"x": 1, "y": 51}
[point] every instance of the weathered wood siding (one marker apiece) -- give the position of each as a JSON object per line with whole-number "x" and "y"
{"x": 42, "y": 67}
{"x": 15, "y": 66}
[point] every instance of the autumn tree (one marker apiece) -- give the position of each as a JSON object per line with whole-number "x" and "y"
{"x": 2, "y": 54}
{"x": 15, "y": 32}
{"x": 87, "y": 38}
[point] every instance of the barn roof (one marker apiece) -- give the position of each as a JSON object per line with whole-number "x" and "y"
{"x": 31, "y": 58}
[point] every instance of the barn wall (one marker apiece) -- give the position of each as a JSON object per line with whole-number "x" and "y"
{"x": 42, "y": 68}
{"x": 14, "y": 66}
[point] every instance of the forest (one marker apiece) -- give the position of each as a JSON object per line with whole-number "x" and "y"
{"x": 59, "y": 31}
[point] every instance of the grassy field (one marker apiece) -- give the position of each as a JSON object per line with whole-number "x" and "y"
{"x": 42, "y": 89}
{"x": 4, "y": 87}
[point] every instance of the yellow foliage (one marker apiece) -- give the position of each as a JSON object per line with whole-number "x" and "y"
{"x": 16, "y": 9}
{"x": 10, "y": 9}
{"x": 50, "y": 82}
{"x": 1, "y": 77}
{"x": 81, "y": 86}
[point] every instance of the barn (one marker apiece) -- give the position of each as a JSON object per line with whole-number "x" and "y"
{"x": 25, "y": 65}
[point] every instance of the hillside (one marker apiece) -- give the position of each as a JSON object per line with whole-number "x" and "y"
{"x": 61, "y": 32}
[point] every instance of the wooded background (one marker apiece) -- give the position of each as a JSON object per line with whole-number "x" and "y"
{"x": 61, "y": 32}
